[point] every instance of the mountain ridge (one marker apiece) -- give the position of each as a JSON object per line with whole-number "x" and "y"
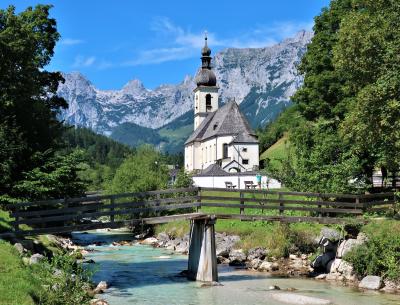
{"x": 261, "y": 80}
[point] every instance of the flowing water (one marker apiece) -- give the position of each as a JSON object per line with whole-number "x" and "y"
{"x": 140, "y": 274}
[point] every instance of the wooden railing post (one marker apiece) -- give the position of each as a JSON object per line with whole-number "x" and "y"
{"x": 16, "y": 225}
{"x": 319, "y": 206}
{"x": 281, "y": 204}
{"x": 198, "y": 199}
{"x": 241, "y": 194}
{"x": 158, "y": 196}
{"x": 112, "y": 215}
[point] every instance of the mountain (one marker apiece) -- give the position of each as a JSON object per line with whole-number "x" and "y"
{"x": 261, "y": 80}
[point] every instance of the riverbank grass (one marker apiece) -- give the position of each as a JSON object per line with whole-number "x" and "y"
{"x": 17, "y": 285}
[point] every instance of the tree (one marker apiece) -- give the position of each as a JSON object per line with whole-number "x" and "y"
{"x": 350, "y": 98}
{"x": 143, "y": 171}
{"x": 366, "y": 54}
{"x": 29, "y": 129}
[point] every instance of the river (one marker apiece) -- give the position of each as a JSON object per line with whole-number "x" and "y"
{"x": 140, "y": 274}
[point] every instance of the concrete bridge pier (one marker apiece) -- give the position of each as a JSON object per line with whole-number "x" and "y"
{"x": 202, "y": 265}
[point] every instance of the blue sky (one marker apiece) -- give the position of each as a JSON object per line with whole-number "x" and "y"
{"x": 158, "y": 42}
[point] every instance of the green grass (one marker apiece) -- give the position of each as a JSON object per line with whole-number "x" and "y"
{"x": 17, "y": 285}
{"x": 4, "y": 221}
{"x": 276, "y": 237}
{"x": 260, "y": 211}
{"x": 277, "y": 152}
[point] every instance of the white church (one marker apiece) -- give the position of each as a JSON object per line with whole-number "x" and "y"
{"x": 222, "y": 136}
{"x": 223, "y": 149}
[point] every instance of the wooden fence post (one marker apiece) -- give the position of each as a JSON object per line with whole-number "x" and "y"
{"x": 281, "y": 204}
{"x": 16, "y": 225}
{"x": 112, "y": 216}
{"x": 198, "y": 199}
{"x": 158, "y": 213}
{"x": 242, "y": 203}
{"x": 320, "y": 206}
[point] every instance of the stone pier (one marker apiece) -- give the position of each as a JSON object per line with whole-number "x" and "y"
{"x": 202, "y": 265}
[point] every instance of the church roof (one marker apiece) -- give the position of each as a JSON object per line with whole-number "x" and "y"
{"x": 227, "y": 120}
{"x": 216, "y": 170}
{"x": 212, "y": 170}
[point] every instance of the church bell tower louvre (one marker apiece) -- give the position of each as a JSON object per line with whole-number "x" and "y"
{"x": 206, "y": 92}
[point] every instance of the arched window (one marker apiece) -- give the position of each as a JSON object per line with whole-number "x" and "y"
{"x": 208, "y": 102}
{"x": 225, "y": 151}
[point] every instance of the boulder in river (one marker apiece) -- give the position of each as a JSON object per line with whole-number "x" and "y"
{"x": 347, "y": 245}
{"x": 371, "y": 282}
{"x": 268, "y": 266}
{"x": 101, "y": 287}
{"x": 298, "y": 299}
{"x": 259, "y": 253}
{"x": 237, "y": 257}
{"x": 150, "y": 241}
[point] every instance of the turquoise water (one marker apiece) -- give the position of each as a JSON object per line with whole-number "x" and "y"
{"x": 143, "y": 275}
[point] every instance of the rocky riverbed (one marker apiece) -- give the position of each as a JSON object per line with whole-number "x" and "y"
{"x": 330, "y": 265}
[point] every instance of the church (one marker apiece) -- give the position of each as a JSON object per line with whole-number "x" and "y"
{"x": 222, "y": 141}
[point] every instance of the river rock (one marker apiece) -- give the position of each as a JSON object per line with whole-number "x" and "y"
{"x": 162, "y": 238}
{"x": 297, "y": 299}
{"x": 237, "y": 257}
{"x": 259, "y": 253}
{"x": 327, "y": 245}
{"x": 329, "y": 233}
{"x": 268, "y": 266}
{"x": 346, "y": 246}
{"x": 183, "y": 247}
{"x": 19, "y": 248}
{"x": 274, "y": 287}
{"x": 321, "y": 262}
{"x": 101, "y": 287}
{"x": 36, "y": 258}
{"x": 98, "y": 302}
{"x": 254, "y": 263}
{"x": 389, "y": 286}
{"x": 321, "y": 276}
{"x": 225, "y": 243}
{"x": 362, "y": 237}
{"x": 371, "y": 282}
{"x": 297, "y": 264}
{"x": 150, "y": 241}
{"x": 28, "y": 245}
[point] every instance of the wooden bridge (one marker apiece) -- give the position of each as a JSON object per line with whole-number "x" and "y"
{"x": 202, "y": 206}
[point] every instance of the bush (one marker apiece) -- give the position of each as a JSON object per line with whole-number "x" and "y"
{"x": 63, "y": 282}
{"x": 380, "y": 255}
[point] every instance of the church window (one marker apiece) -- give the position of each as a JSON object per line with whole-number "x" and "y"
{"x": 225, "y": 151}
{"x": 245, "y": 161}
{"x": 244, "y": 149}
{"x": 208, "y": 102}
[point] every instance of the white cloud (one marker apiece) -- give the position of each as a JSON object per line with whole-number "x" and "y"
{"x": 70, "y": 41}
{"x": 83, "y": 62}
{"x": 183, "y": 43}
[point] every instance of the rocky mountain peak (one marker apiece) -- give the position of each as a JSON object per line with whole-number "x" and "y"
{"x": 133, "y": 87}
{"x": 261, "y": 80}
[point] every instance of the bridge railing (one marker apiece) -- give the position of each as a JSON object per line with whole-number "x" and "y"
{"x": 65, "y": 215}
{"x": 72, "y": 214}
{"x": 252, "y": 204}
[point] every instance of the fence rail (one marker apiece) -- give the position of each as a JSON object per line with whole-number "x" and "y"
{"x": 65, "y": 215}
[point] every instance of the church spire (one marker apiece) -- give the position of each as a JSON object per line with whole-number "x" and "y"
{"x": 205, "y": 76}
{"x": 205, "y": 55}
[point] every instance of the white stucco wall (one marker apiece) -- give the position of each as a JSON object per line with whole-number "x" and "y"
{"x": 237, "y": 180}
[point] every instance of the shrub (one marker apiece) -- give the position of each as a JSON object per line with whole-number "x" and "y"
{"x": 380, "y": 255}
{"x": 63, "y": 282}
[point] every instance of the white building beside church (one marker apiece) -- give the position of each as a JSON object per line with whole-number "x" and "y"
{"x": 222, "y": 136}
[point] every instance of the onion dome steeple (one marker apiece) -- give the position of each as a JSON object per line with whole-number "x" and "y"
{"x": 206, "y": 77}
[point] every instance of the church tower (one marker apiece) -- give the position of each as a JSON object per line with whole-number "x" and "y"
{"x": 206, "y": 92}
